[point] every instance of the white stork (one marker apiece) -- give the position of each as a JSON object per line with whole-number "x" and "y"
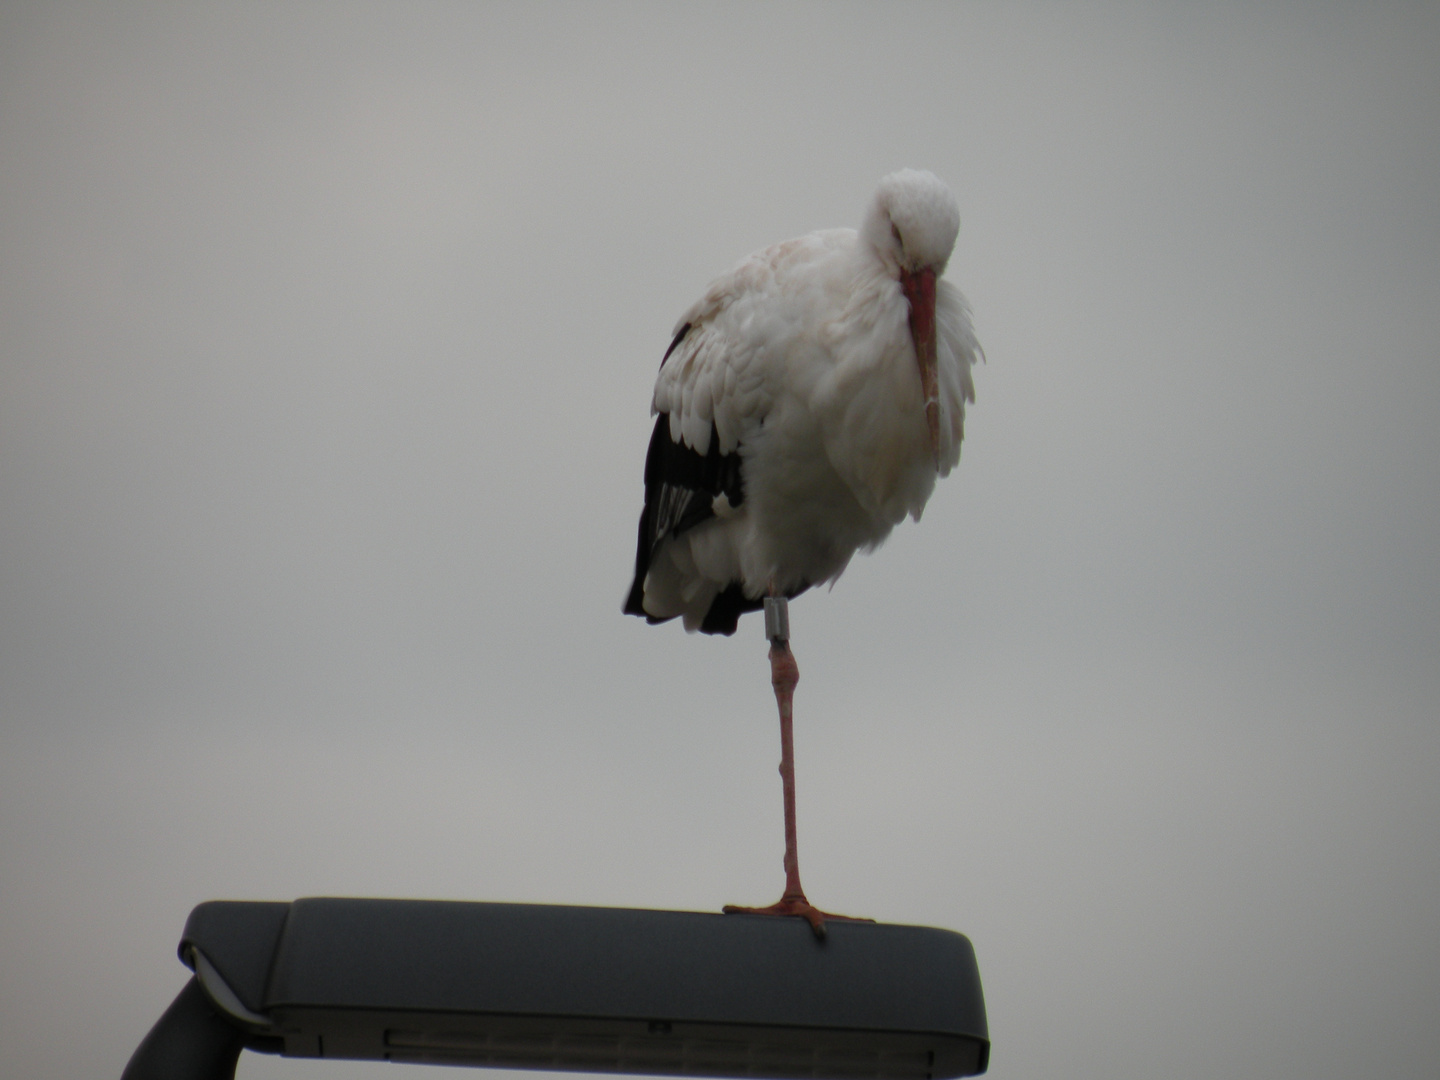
{"x": 805, "y": 406}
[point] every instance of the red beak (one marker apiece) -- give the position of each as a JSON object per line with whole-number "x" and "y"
{"x": 919, "y": 289}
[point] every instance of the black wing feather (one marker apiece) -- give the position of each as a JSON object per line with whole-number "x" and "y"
{"x": 680, "y": 490}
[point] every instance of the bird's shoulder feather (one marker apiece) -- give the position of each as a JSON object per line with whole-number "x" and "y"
{"x": 729, "y": 358}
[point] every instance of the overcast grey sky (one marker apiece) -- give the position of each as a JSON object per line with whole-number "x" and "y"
{"x": 327, "y": 333}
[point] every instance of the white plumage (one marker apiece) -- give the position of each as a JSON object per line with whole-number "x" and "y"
{"x": 792, "y": 424}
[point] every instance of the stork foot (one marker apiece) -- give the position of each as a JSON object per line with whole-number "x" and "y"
{"x": 795, "y": 904}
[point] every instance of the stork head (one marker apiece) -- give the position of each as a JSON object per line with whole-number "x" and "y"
{"x": 911, "y": 227}
{"x": 913, "y": 222}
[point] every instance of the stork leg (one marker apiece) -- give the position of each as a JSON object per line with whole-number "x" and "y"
{"x": 784, "y": 674}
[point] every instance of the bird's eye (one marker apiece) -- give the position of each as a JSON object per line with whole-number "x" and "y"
{"x": 895, "y": 232}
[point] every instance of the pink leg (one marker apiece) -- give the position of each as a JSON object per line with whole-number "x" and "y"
{"x": 784, "y": 674}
